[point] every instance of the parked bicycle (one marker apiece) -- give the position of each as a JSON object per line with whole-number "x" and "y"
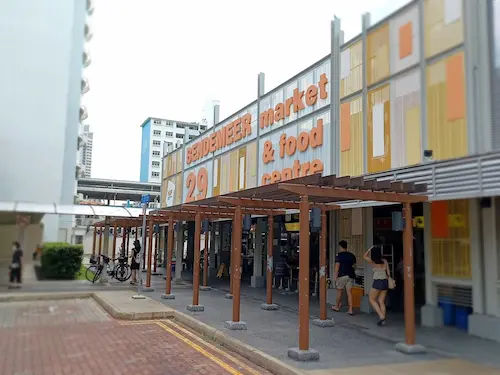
{"x": 120, "y": 271}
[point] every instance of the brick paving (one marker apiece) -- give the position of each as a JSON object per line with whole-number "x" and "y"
{"x": 69, "y": 337}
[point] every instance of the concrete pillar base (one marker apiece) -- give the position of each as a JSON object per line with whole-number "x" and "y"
{"x": 236, "y": 326}
{"x": 323, "y": 323}
{"x": 269, "y": 306}
{"x": 257, "y": 281}
{"x": 431, "y": 316}
{"x": 167, "y": 296}
{"x": 195, "y": 308}
{"x": 205, "y": 288}
{"x": 228, "y": 296}
{"x": 303, "y": 355}
{"x": 485, "y": 326}
{"x": 138, "y": 296}
{"x": 147, "y": 289}
{"x": 365, "y": 305}
{"x": 410, "y": 349}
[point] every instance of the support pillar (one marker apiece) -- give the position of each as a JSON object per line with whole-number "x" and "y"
{"x": 127, "y": 243}
{"x": 170, "y": 249}
{"x": 148, "y": 287}
{"x": 258, "y": 279}
{"x": 323, "y": 320}
{"x": 136, "y": 233}
{"x": 196, "y": 266}
{"x": 100, "y": 242}
{"x": 179, "y": 251}
{"x": 409, "y": 345}
{"x": 114, "y": 241}
{"x": 236, "y": 323}
{"x": 93, "y": 242}
{"x": 303, "y": 352}
{"x": 269, "y": 305}
{"x": 155, "y": 260}
{"x": 205, "y": 263}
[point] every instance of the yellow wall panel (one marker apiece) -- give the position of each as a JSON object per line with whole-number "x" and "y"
{"x": 351, "y": 160}
{"x": 451, "y": 255}
{"x": 379, "y": 95}
{"x": 377, "y": 54}
{"x": 443, "y": 26}
{"x": 242, "y": 161}
{"x": 251, "y": 172}
{"x": 233, "y": 170}
{"x": 354, "y": 81}
{"x": 446, "y": 138}
{"x": 225, "y": 162}
{"x": 216, "y": 189}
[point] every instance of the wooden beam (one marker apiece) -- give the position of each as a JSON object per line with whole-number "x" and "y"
{"x": 348, "y": 194}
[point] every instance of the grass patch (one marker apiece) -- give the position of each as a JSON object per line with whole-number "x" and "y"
{"x": 80, "y": 275}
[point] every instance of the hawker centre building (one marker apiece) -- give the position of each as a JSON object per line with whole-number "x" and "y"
{"x": 413, "y": 98}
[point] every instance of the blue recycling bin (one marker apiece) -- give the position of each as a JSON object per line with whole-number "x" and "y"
{"x": 462, "y": 317}
{"x": 449, "y": 314}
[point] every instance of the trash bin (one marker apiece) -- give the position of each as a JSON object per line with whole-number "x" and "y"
{"x": 462, "y": 317}
{"x": 357, "y": 293}
{"x": 448, "y": 312}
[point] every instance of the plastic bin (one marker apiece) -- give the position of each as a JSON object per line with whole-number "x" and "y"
{"x": 357, "y": 293}
{"x": 448, "y": 312}
{"x": 462, "y": 317}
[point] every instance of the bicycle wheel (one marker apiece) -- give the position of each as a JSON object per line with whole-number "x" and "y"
{"x": 123, "y": 272}
{"x": 90, "y": 272}
{"x": 97, "y": 274}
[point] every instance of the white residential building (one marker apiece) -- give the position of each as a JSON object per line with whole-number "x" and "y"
{"x": 160, "y": 136}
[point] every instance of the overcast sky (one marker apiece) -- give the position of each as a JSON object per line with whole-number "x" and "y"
{"x": 166, "y": 59}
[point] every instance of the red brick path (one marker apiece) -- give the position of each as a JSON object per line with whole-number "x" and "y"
{"x": 72, "y": 337}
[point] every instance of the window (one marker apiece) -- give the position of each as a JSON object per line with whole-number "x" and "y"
{"x": 170, "y": 123}
{"x": 156, "y": 122}
{"x": 156, "y": 143}
{"x": 156, "y": 132}
{"x": 192, "y": 137}
{"x": 203, "y": 127}
{"x": 78, "y": 240}
{"x": 193, "y": 127}
{"x": 155, "y": 163}
{"x": 180, "y": 125}
{"x": 180, "y": 136}
{"x": 169, "y": 134}
{"x": 156, "y": 153}
{"x": 155, "y": 174}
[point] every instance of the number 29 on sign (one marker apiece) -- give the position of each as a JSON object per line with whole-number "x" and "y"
{"x": 199, "y": 182}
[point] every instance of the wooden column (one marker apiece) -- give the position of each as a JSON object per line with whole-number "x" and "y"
{"x": 170, "y": 250}
{"x": 409, "y": 298}
{"x": 236, "y": 252}
{"x": 155, "y": 260}
{"x": 270, "y": 263}
{"x": 100, "y": 241}
{"x": 150, "y": 253}
{"x": 114, "y": 241}
{"x": 205, "y": 260}
{"x": 304, "y": 274}
{"x": 136, "y": 232}
{"x": 322, "y": 268}
{"x": 93, "y": 242}
{"x": 196, "y": 262}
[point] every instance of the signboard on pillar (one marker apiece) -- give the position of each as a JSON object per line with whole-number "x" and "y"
{"x": 197, "y": 182}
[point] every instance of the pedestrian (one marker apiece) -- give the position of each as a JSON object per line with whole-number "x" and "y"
{"x": 280, "y": 271}
{"x": 380, "y": 284}
{"x": 344, "y": 276}
{"x": 135, "y": 261}
{"x": 16, "y": 265}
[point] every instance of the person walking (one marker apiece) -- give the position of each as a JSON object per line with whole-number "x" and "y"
{"x": 16, "y": 265}
{"x": 344, "y": 276}
{"x": 280, "y": 271}
{"x": 380, "y": 284}
{"x": 135, "y": 261}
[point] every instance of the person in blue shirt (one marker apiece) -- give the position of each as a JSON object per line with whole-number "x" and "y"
{"x": 344, "y": 275}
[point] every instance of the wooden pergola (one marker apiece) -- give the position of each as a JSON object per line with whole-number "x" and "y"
{"x": 326, "y": 193}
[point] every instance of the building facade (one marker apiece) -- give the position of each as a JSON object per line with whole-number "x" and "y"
{"x": 40, "y": 119}
{"x": 411, "y": 98}
{"x": 160, "y": 136}
{"x": 85, "y": 152}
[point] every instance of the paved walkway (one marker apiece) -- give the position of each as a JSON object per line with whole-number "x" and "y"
{"x": 354, "y": 341}
{"x": 75, "y": 336}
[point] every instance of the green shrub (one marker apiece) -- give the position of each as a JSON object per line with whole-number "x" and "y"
{"x": 61, "y": 260}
